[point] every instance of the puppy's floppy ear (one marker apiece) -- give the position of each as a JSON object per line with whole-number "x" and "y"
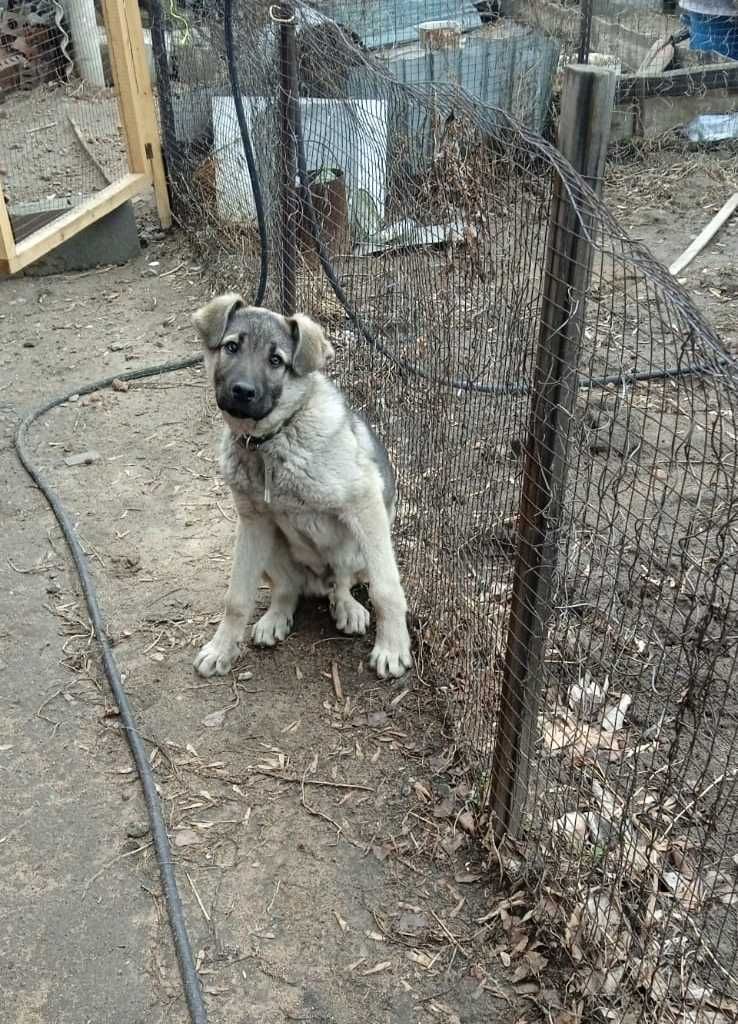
{"x": 211, "y": 320}
{"x": 311, "y": 349}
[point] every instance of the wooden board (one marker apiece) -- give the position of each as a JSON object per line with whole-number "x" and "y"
{"x": 705, "y": 236}
{"x": 132, "y": 80}
{"x": 71, "y": 223}
{"x": 7, "y": 242}
{"x": 681, "y": 82}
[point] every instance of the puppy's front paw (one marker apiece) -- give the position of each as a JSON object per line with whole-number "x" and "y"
{"x": 271, "y": 628}
{"x": 391, "y": 655}
{"x": 350, "y": 616}
{"x": 216, "y": 657}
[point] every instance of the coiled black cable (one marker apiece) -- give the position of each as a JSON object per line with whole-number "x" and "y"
{"x": 188, "y": 971}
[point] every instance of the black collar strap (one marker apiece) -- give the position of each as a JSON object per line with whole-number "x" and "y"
{"x": 250, "y": 442}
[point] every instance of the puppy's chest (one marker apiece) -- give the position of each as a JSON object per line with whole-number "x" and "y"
{"x": 268, "y": 481}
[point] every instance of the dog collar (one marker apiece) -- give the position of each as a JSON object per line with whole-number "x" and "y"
{"x": 251, "y": 443}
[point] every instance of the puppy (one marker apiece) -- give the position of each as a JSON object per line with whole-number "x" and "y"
{"x": 311, "y": 482}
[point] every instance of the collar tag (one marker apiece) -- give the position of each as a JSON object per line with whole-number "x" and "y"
{"x": 267, "y": 480}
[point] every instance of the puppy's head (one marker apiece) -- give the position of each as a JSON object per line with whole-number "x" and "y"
{"x": 258, "y": 360}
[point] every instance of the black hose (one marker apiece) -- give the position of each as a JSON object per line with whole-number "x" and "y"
{"x": 585, "y": 32}
{"x": 248, "y": 153}
{"x": 188, "y": 971}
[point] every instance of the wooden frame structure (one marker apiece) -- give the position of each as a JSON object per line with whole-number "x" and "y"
{"x": 134, "y": 91}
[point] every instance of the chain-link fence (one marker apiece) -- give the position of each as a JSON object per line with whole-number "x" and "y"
{"x": 562, "y": 422}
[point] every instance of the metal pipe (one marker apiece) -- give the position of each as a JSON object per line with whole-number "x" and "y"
{"x": 86, "y": 40}
{"x": 583, "y": 137}
{"x": 284, "y": 16}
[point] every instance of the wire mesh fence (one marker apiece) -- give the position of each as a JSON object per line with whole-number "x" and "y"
{"x": 449, "y": 250}
{"x": 60, "y": 135}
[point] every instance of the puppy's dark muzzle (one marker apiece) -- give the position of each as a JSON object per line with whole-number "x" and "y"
{"x": 243, "y": 401}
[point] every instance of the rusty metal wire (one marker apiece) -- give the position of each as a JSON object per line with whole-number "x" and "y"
{"x": 434, "y": 214}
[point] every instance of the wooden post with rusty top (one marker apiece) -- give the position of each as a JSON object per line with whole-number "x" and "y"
{"x": 584, "y": 126}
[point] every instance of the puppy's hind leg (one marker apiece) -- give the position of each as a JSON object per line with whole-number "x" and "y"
{"x": 288, "y": 582}
{"x": 254, "y": 544}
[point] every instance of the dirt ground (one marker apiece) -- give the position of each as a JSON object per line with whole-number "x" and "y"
{"x": 359, "y": 889}
{"x": 356, "y": 896}
{"x": 664, "y": 198}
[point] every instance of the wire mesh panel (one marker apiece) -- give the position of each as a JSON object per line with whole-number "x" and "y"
{"x": 421, "y": 227}
{"x": 60, "y": 134}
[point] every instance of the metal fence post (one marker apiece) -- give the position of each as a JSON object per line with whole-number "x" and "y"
{"x": 584, "y": 125}
{"x": 284, "y": 15}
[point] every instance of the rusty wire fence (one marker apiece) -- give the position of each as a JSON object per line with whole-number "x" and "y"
{"x": 563, "y": 425}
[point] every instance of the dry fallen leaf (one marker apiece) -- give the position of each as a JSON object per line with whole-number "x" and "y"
{"x": 385, "y": 965}
{"x": 186, "y": 837}
{"x": 420, "y": 958}
{"x": 466, "y": 821}
{"x": 214, "y": 720}
{"x": 614, "y": 718}
{"x": 422, "y": 793}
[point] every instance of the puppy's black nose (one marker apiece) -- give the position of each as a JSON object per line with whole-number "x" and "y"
{"x": 243, "y": 393}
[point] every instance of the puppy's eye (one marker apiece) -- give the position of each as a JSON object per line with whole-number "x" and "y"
{"x": 232, "y": 347}
{"x": 275, "y": 360}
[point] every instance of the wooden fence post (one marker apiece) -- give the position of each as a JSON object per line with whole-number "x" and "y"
{"x": 132, "y": 78}
{"x": 7, "y": 240}
{"x": 584, "y": 127}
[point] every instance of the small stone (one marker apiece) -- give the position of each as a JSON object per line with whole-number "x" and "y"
{"x": 83, "y": 459}
{"x": 411, "y": 923}
{"x": 29, "y": 344}
{"x": 121, "y": 385}
{"x": 137, "y": 829}
{"x": 117, "y": 346}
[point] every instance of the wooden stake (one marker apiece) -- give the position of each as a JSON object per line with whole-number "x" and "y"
{"x": 7, "y": 240}
{"x": 135, "y": 98}
{"x": 705, "y": 236}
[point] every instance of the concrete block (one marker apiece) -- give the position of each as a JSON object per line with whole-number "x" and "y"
{"x": 112, "y": 239}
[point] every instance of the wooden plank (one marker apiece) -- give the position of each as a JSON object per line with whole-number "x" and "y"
{"x": 146, "y": 111}
{"x": 69, "y": 224}
{"x": 7, "y": 241}
{"x": 707, "y": 233}
{"x": 683, "y": 82}
{"x": 124, "y": 78}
